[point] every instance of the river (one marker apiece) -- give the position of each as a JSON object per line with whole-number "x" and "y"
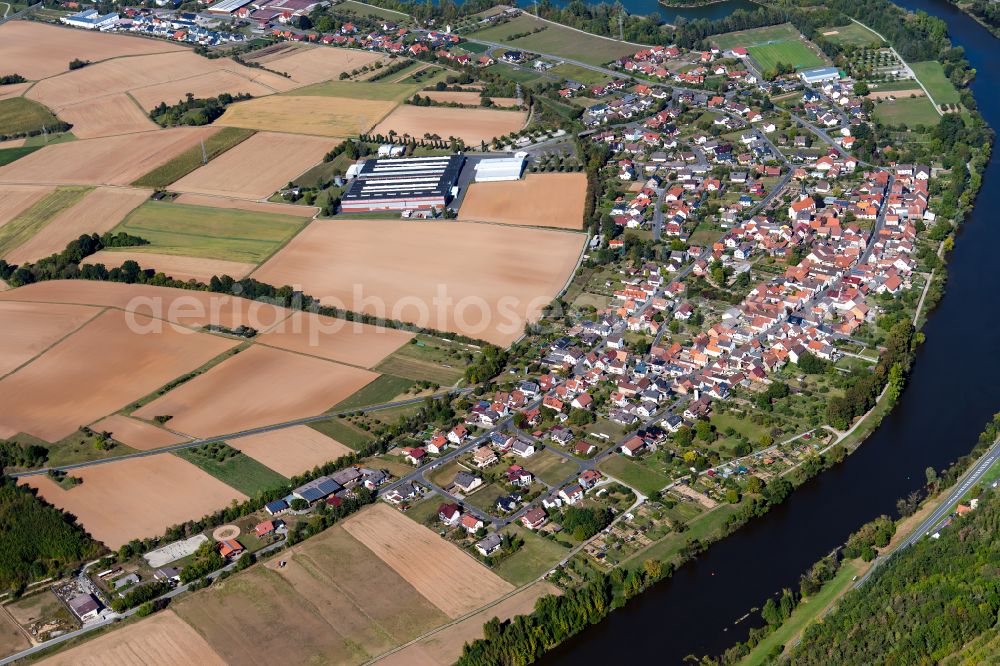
{"x": 951, "y": 395}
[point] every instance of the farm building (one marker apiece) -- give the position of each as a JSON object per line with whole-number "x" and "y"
{"x": 228, "y": 6}
{"x": 504, "y": 168}
{"x": 85, "y": 607}
{"x": 820, "y": 75}
{"x": 316, "y": 489}
{"x": 90, "y": 19}
{"x": 418, "y": 183}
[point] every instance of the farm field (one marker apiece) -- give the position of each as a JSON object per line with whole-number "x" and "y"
{"x": 193, "y": 158}
{"x": 257, "y": 387}
{"x": 457, "y": 584}
{"x": 21, "y": 52}
{"x": 160, "y": 640}
{"x": 384, "y": 389}
{"x": 557, "y": 40}
{"x": 793, "y": 53}
{"x": 211, "y": 233}
{"x": 319, "y": 608}
{"x": 312, "y": 64}
{"x": 14, "y": 89}
{"x": 754, "y": 36}
{"x": 11, "y": 638}
{"x": 29, "y": 221}
{"x": 544, "y": 200}
{"x": 402, "y": 266}
{"x": 137, "y": 434}
{"x": 851, "y": 34}
{"x": 16, "y": 198}
{"x": 338, "y": 340}
{"x": 137, "y": 489}
{"x": 470, "y": 125}
{"x": 151, "y": 79}
{"x": 176, "y": 266}
{"x": 427, "y": 360}
{"x": 97, "y": 370}
{"x": 15, "y": 152}
{"x": 343, "y": 432}
{"x": 357, "y": 90}
{"x": 291, "y": 451}
{"x": 22, "y": 116}
{"x": 106, "y": 116}
{"x": 445, "y": 646}
{"x": 98, "y": 211}
{"x": 117, "y": 160}
{"x": 238, "y": 471}
{"x": 238, "y": 172}
{"x": 932, "y": 75}
{"x": 318, "y": 115}
{"x": 294, "y": 210}
{"x": 27, "y": 329}
{"x": 907, "y": 111}
{"x": 467, "y": 97}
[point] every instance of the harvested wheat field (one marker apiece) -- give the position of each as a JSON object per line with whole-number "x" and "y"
{"x": 291, "y": 451}
{"x": 27, "y": 329}
{"x": 467, "y": 97}
{"x": 11, "y": 637}
{"x": 312, "y": 64}
{"x": 339, "y": 340}
{"x": 457, "y": 583}
{"x": 161, "y": 640}
{"x": 173, "y": 265}
{"x": 114, "y": 160}
{"x": 106, "y": 116}
{"x": 37, "y": 50}
{"x": 137, "y": 434}
{"x": 308, "y": 114}
{"x": 895, "y": 94}
{"x": 13, "y": 90}
{"x": 496, "y": 277}
{"x": 17, "y": 198}
{"x": 151, "y": 79}
{"x": 319, "y": 608}
{"x": 243, "y": 204}
{"x": 257, "y": 167}
{"x": 193, "y": 309}
{"x": 257, "y": 387}
{"x": 470, "y": 125}
{"x": 98, "y": 211}
{"x": 97, "y": 370}
{"x": 136, "y": 498}
{"x": 445, "y": 646}
{"x": 544, "y": 200}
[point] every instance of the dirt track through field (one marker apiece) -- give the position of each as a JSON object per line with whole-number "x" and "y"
{"x": 452, "y": 580}
{"x": 255, "y": 388}
{"x": 97, "y": 370}
{"x": 98, "y": 211}
{"x": 482, "y": 280}
{"x": 137, "y": 434}
{"x": 291, "y": 451}
{"x": 470, "y": 125}
{"x": 545, "y": 200}
{"x": 137, "y": 498}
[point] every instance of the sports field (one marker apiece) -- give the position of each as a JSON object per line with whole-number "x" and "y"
{"x": 212, "y": 233}
{"x": 851, "y": 34}
{"x": 793, "y": 53}
{"x": 21, "y": 116}
{"x": 754, "y": 36}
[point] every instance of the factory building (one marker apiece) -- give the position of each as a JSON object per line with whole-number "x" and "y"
{"x": 499, "y": 169}
{"x": 413, "y": 183}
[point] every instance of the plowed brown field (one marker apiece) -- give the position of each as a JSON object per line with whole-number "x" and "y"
{"x": 176, "y": 266}
{"x": 312, "y": 64}
{"x": 16, "y": 198}
{"x": 544, "y": 200}
{"x": 106, "y": 116}
{"x": 335, "y": 339}
{"x": 470, "y": 125}
{"x": 27, "y": 329}
{"x": 137, "y": 434}
{"x": 291, "y": 451}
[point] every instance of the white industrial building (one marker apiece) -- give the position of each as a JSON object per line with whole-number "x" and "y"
{"x": 819, "y": 75}
{"x": 91, "y": 19}
{"x": 502, "y": 168}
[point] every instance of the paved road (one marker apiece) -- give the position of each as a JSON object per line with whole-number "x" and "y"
{"x": 236, "y": 435}
{"x": 926, "y": 528}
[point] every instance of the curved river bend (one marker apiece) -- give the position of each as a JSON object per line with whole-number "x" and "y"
{"x": 952, "y": 393}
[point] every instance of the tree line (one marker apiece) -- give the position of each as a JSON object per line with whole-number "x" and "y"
{"x": 194, "y": 110}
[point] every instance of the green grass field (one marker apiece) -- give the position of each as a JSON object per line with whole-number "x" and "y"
{"x": 851, "y": 34}
{"x": 647, "y": 481}
{"x": 551, "y": 468}
{"x": 706, "y": 525}
{"x": 908, "y": 111}
{"x": 20, "y": 115}
{"x": 383, "y": 389}
{"x": 191, "y": 159}
{"x": 213, "y": 233}
{"x": 239, "y": 471}
{"x": 343, "y": 432}
{"x": 931, "y": 74}
{"x": 8, "y": 155}
{"x": 364, "y": 9}
{"x": 747, "y": 38}
{"x": 378, "y": 90}
{"x": 557, "y": 40}
{"x": 49, "y": 139}
{"x": 427, "y": 360}
{"x": 581, "y": 74}
{"x": 537, "y": 556}
{"x": 793, "y": 53}
{"x": 32, "y": 220}
{"x": 517, "y": 75}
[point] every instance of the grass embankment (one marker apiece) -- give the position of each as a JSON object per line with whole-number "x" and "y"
{"x": 211, "y": 233}
{"x": 32, "y": 220}
{"x": 20, "y": 116}
{"x": 192, "y": 158}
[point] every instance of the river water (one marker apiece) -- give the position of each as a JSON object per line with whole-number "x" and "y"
{"x": 952, "y": 393}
